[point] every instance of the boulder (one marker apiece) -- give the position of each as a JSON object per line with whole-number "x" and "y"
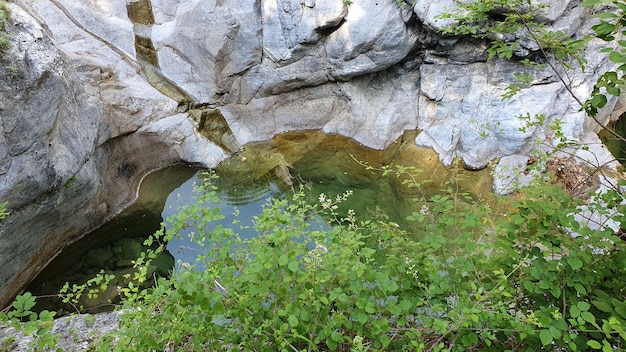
{"x": 98, "y": 257}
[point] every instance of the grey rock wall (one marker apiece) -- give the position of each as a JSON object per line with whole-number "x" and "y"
{"x": 78, "y": 130}
{"x": 366, "y": 70}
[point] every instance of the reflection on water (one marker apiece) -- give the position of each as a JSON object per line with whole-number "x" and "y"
{"x": 326, "y": 164}
{"x": 235, "y": 196}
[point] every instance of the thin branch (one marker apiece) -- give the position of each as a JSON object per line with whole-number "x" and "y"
{"x": 565, "y": 84}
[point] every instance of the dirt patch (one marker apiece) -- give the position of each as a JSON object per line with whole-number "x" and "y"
{"x": 575, "y": 178}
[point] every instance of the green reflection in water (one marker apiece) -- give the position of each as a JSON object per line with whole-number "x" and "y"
{"x": 332, "y": 164}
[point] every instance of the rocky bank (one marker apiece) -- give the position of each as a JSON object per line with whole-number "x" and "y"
{"x": 96, "y": 93}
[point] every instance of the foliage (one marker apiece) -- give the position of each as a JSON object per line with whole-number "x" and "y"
{"x": 4, "y": 14}
{"x": 609, "y": 29}
{"x": 512, "y": 29}
{"x": 74, "y": 294}
{"x": 531, "y": 278}
{"x": 3, "y": 210}
{"x": 21, "y": 318}
{"x": 38, "y": 325}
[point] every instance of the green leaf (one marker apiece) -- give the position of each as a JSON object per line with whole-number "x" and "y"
{"x": 293, "y": 321}
{"x": 546, "y": 337}
{"x": 574, "y": 311}
{"x": 392, "y": 286}
{"x": 283, "y": 260}
{"x": 362, "y": 317}
{"x": 617, "y": 57}
{"x": 605, "y": 15}
{"x": 598, "y": 101}
{"x": 594, "y": 344}
{"x": 602, "y": 305}
{"x": 575, "y": 263}
{"x": 588, "y": 317}
{"x": 370, "y": 307}
{"x": 590, "y": 3}
{"x": 614, "y": 91}
{"x": 603, "y": 30}
{"x": 293, "y": 266}
{"x": 218, "y": 308}
{"x": 545, "y": 284}
{"x": 560, "y": 324}
{"x": 620, "y": 307}
{"x": 584, "y": 306}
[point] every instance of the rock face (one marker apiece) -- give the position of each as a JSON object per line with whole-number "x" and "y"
{"x": 78, "y": 130}
{"x": 76, "y": 333}
{"x": 94, "y": 94}
{"x": 367, "y": 70}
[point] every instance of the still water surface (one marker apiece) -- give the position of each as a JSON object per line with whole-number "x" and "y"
{"x": 326, "y": 164}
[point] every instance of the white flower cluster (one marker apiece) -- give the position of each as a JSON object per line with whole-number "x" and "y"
{"x": 314, "y": 258}
{"x": 412, "y": 270}
{"x": 328, "y": 203}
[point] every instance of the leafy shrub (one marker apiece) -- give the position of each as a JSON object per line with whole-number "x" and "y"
{"x": 609, "y": 29}
{"x": 23, "y": 319}
{"x": 528, "y": 278}
{"x": 3, "y": 210}
{"x": 4, "y": 14}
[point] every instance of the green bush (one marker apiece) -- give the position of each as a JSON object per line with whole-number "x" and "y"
{"x": 530, "y": 278}
{"x": 4, "y": 14}
{"x": 3, "y": 210}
